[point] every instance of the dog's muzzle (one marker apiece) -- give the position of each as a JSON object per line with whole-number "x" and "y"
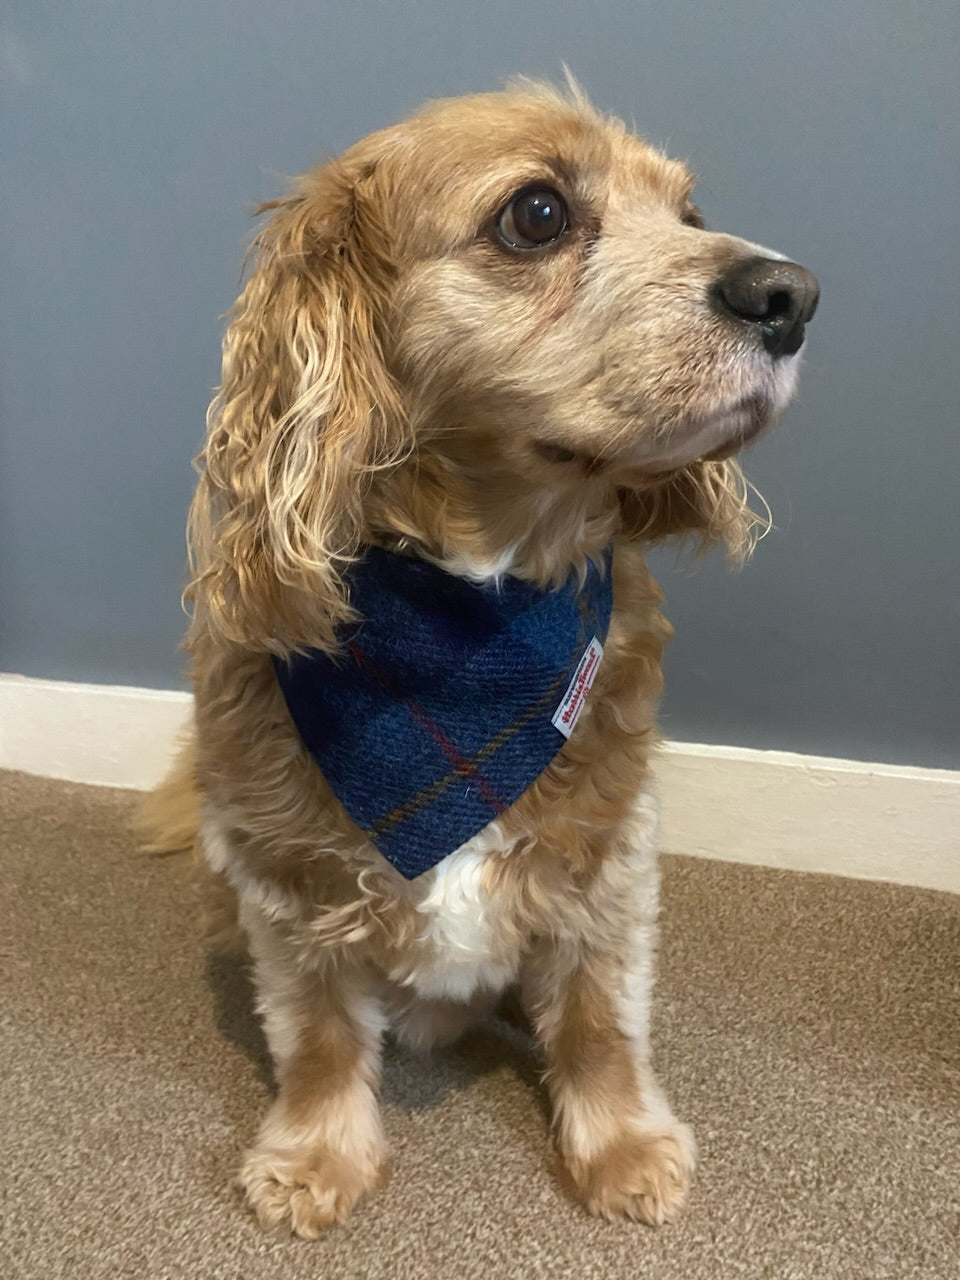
{"x": 778, "y": 297}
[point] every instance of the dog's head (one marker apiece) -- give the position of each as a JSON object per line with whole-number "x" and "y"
{"x": 499, "y": 332}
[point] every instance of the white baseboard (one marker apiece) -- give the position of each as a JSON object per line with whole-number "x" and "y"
{"x": 104, "y": 734}
{"x": 770, "y": 808}
{"x": 813, "y": 813}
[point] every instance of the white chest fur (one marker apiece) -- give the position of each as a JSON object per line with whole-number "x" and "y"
{"x": 466, "y": 942}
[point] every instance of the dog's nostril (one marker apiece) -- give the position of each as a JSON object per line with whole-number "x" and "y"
{"x": 778, "y": 297}
{"x": 779, "y": 304}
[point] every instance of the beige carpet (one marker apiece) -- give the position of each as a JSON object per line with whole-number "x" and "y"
{"x": 807, "y": 1027}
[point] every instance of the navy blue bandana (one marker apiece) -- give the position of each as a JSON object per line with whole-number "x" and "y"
{"x": 448, "y": 701}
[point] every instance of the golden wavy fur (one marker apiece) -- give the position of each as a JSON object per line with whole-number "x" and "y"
{"x": 399, "y": 371}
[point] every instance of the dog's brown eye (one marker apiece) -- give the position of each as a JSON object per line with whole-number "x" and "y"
{"x": 692, "y": 217}
{"x": 532, "y": 218}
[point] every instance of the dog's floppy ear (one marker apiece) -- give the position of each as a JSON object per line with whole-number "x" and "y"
{"x": 709, "y": 500}
{"x": 306, "y": 413}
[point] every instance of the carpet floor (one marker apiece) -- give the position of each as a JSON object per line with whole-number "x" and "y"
{"x": 807, "y": 1027}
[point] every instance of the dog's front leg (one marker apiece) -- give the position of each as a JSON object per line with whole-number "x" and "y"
{"x": 321, "y": 1145}
{"x": 627, "y": 1154}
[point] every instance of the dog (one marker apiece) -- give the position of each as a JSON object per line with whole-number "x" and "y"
{"x": 483, "y": 360}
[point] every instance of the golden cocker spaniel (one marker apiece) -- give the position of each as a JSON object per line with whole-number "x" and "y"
{"x": 482, "y": 361}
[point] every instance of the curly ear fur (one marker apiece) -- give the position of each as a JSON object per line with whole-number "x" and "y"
{"x": 305, "y": 414}
{"x": 709, "y": 500}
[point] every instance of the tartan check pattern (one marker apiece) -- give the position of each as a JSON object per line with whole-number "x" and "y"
{"x": 436, "y": 717}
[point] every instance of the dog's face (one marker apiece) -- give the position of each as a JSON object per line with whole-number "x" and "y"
{"x": 558, "y": 296}
{"x": 498, "y": 332}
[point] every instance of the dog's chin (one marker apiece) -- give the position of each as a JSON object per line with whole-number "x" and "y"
{"x": 661, "y": 453}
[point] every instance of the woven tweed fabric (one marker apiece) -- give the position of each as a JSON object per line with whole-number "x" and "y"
{"x": 437, "y": 715}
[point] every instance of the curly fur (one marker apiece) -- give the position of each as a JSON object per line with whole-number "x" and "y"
{"x": 392, "y": 375}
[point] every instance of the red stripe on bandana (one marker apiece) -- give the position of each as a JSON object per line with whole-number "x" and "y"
{"x": 449, "y": 749}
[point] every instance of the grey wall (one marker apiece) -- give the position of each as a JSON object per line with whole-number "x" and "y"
{"x": 137, "y": 137}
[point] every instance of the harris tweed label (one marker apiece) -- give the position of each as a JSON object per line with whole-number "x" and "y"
{"x": 568, "y": 712}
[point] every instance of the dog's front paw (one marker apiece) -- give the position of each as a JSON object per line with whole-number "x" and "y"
{"x": 306, "y": 1190}
{"x": 644, "y": 1176}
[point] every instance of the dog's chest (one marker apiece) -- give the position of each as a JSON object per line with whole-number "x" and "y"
{"x": 467, "y": 940}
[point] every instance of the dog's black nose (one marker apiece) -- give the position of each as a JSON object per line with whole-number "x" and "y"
{"x": 779, "y": 297}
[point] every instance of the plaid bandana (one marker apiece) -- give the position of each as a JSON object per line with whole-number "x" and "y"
{"x": 448, "y": 701}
